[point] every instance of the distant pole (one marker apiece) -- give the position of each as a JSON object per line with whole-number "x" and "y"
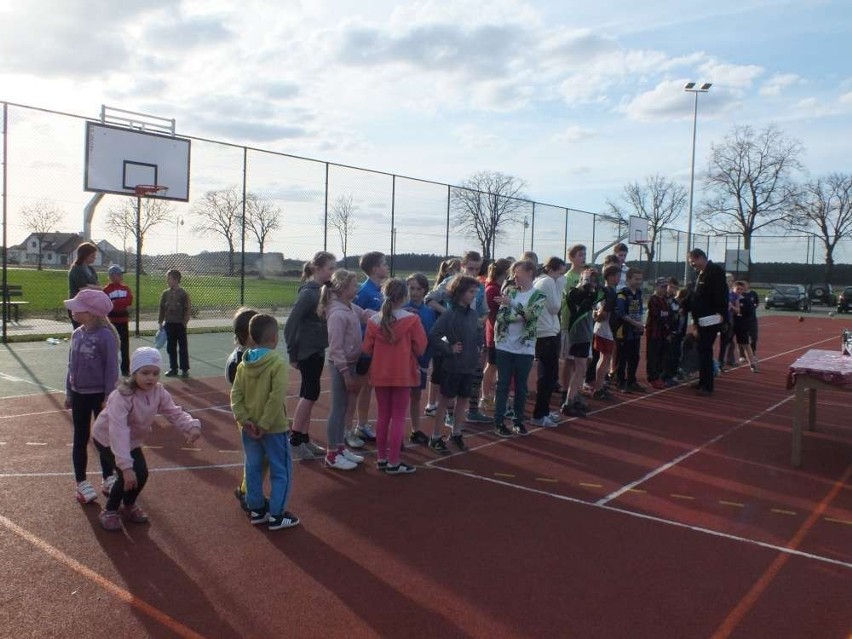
{"x": 532, "y": 230}
{"x": 138, "y": 259}
{"x": 690, "y": 88}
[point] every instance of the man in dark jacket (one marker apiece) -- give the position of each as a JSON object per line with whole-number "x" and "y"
{"x": 708, "y": 305}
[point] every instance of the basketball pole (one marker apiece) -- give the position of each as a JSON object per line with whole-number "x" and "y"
{"x": 138, "y": 256}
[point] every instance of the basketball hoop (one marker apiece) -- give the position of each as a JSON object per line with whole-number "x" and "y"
{"x": 144, "y": 190}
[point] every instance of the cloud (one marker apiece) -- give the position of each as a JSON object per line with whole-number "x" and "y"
{"x": 187, "y": 33}
{"x": 574, "y": 133}
{"x": 846, "y": 99}
{"x": 777, "y": 83}
{"x": 731, "y": 76}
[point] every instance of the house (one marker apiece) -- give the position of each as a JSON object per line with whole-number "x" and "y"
{"x": 59, "y": 250}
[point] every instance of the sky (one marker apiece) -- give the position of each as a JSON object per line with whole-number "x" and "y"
{"x": 576, "y": 98}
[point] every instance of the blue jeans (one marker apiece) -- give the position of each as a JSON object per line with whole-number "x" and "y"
{"x": 511, "y": 366}
{"x": 276, "y": 447}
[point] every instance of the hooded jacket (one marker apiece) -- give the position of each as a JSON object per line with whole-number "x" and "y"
{"x": 305, "y": 332}
{"x": 344, "y": 332}
{"x": 395, "y": 360}
{"x": 259, "y": 391}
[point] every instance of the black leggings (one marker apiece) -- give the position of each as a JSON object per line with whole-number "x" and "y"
{"x": 547, "y": 354}
{"x": 310, "y": 369}
{"x": 84, "y": 408}
{"x": 118, "y": 495}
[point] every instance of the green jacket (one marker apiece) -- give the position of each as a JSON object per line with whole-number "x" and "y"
{"x": 259, "y": 391}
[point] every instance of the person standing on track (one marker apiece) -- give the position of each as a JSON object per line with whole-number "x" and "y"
{"x": 92, "y": 374}
{"x": 708, "y": 305}
{"x": 81, "y": 274}
{"x": 123, "y": 426}
{"x": 306, "y": 337}
{"x": 122, "y": 300}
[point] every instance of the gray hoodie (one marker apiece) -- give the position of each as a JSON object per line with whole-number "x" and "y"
{"x": 305, "y": 332}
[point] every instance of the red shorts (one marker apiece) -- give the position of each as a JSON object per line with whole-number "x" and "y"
{"x": 603, "y": 345}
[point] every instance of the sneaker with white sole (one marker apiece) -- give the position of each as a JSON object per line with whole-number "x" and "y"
{"x": 135, "y": 514}
{"x": 339, "y": 462}
{"x": 449, "y": 420}
{"x": 318, "y": 451}
{"x": 284, "y": 520}
{"x": 543, "y": 422}
{"x": 477, "y": 417}
{"x": 400, "y": 469}
{"x": 555, "y": 416}
{"x": 110, "y": 520}
{"x": 366, "y": 432}
{"x": 430, "y": 409}
{"x": 353, "y": 457}
{"x": 107, "y": 484}
{"x": 352, "y": 440}
{"x": 258, "y": 516}
{"x": 85, "y": 492}
{"x": 302, "y": 452}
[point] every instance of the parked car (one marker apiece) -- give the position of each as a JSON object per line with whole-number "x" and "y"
{"x": 792, "y": 296}
{"x": 844, "y": 300}
{"x": 822, "y": 294}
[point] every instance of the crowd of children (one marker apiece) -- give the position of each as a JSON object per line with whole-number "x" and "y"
{"x": 470, "y": 340}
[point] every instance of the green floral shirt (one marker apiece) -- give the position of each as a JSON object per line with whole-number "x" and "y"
{"x": 517, "y": 312}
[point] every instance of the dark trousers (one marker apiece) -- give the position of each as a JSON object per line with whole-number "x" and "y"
{"x": 547, "y": 354}
{"x": 176, "y": 341}
{"x": 118, "y": 495}
{"x": 628, "y": 360}
{"x": 752, "y": 333}
{"x": 726, "y": 340}
{"x": 706, "y": 339}
{"x": 84, "y": 408}
{"x": 592, "y": 367}
{"x": 511, "y": 368}
{"x": 124, "y": 346}
{"x": 655, "y": 357}
{"x": 674, "y": 349}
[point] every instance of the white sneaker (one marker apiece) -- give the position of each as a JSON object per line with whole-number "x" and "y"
{"x": 319, "y": 451}
{"x": 352, "y": 440}
{"x": 340, "y": 463}
{"x": 430, "y": 409}
{"x": 366, "y": 432}
{"x": 85, "y": 493}
{"x": 353, "y": 457}
{"x": 555, "y": 416}
{"x": 106, "y": 485}
{"x": 544, "y": 422}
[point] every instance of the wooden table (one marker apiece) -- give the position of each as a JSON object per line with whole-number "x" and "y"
{"x": 815, "y": 370}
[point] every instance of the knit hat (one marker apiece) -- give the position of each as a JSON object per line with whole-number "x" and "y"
{"x": 115, "y": 269}
{"x": 145, "y": 356}
{"x": 91, "y": 301}
{"x": 661, "y": 281}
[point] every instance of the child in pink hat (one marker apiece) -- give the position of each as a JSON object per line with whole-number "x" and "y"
{"x": 92, "y": 374}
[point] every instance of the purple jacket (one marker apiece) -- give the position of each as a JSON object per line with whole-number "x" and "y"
{"x": 92, "y": 361}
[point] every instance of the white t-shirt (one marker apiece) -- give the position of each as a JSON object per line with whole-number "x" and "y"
{"x": 512, "y": 343}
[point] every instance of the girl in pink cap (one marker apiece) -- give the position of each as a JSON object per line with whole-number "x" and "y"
{"x": 121, "y": 429}
{"x": 92, "y": 374}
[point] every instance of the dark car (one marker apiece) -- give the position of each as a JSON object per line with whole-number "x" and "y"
{"x": 822, "y": 294}
{"x": 844, "y": 300}
{"x": 792, "y": 296}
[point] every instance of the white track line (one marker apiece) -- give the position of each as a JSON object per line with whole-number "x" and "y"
{"x": 659, "y": 520}
{"x": 661, "y": 469}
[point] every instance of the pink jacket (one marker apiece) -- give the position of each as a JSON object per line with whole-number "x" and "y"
{"x": 344, "y": 332}
{"x": 395, "y": 361}
{"x": 126, "y": 421}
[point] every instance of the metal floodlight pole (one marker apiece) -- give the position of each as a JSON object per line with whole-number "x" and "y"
{"x": 689, "y": 87}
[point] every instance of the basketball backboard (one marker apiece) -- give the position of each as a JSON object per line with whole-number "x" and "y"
{"x": 637, "y": 232}
{"x": 120, "y": 158}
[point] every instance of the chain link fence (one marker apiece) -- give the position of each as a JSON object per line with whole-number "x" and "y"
{"x": 318, "y": 205}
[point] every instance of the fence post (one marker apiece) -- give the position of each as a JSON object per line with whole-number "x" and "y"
{"x": 447, "y": 232}
{"x": 5, "y": 219}
{"x": 325, "y": 213}
{"x": 243, "y": 232}
{"x": 594, "y": 233}
{"x": 532, "y": 230}
{"x": 393, "y": 223}
{"x": 565, "y": 236}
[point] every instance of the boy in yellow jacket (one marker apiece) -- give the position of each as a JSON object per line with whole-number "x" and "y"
{"x": 257, "y": 400}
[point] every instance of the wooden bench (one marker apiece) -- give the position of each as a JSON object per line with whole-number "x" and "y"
{"x": 8, "y": 292}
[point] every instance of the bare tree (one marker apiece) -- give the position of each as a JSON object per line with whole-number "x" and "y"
{"x": 658, "y": 200}
{"x": 121, "y": 219}
{"x": 747, "y": 181}
{"x": 824, "y": 207}
{"x": 341, "y": 218}
{"x": 262, "y": 218}
{"x": 486, "y": 204}
{"x": 41, "y": 218}
{"x": 221, "y": 213}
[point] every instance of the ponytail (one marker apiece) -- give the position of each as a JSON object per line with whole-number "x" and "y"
{"x": 340, "y": 279}
{"x": 395, "y": 292}
{"x": 320, "y": 259}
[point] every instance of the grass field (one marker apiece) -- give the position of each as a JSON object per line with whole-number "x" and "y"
{"x": 45, "y": 291}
